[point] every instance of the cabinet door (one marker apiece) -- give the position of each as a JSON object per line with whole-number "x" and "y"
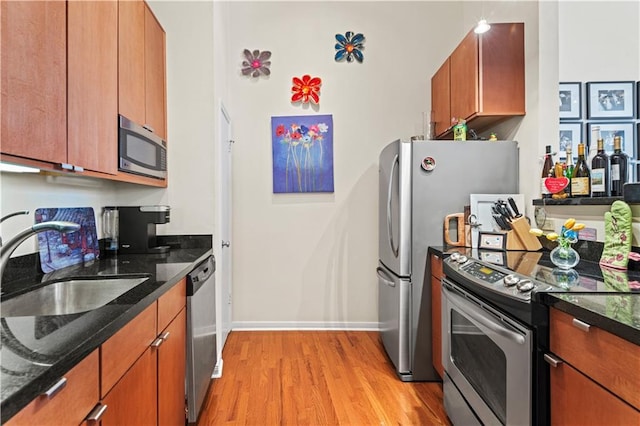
{"x": 133, "y": 400}
{"x": 436, "y": 314}
{"x": 122, "y": 349}
{"x": 501, "y": 78}
{"x": 604, "y": 357}
{"x": 171, "y": 372}
{"x": 464, "y": 77}
{"x": 68, "y": 405}
{"x": 131, "y": 81}
{"x": 440, "y": 99}
{"x": 578, "y": 400}
{"x": 92, "y": 46}
{"x": 155, "y": 91}
{"x": 33, "y": 80}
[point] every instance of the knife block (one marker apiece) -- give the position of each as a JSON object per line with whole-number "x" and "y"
{"x": 520, "y": 238}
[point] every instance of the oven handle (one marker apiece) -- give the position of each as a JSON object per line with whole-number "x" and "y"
{"x": 480, "y": 315}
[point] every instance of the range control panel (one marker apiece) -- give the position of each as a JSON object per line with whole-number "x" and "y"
{"x": 472, "y": 272}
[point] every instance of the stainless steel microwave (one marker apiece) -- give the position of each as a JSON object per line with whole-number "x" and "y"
{"x": 141, "y": 151}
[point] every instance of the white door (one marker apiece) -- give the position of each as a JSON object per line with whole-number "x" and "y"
{"x": 224, "y": 213}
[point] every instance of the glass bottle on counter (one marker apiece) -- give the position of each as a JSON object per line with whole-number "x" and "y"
{"x": 600, "y": 172}
{"x": 619, "y": 162}
{"x": 547, "y": 171}
{"x": 568, "y": 171}
{"x": 580, "y": 179}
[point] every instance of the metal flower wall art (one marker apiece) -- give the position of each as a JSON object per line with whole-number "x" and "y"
{"x": 256, "y": 63}
{"x": 349, "y": 46}
{"x": 306, "y": 89}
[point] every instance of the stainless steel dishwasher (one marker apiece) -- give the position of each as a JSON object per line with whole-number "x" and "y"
{"x": 201, "y": 334}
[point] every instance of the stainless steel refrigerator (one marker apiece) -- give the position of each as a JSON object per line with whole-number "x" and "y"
{"x": 419, "y": 184}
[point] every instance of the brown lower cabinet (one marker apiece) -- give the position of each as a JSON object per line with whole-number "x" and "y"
{"x": 436, "y": 314}
{"x": 595, "y": 375}
{"x": 68, "y": 401}
{"x": 136, "y": 377}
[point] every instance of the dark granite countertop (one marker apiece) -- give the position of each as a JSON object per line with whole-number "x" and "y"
{"x": 37, "y": 351}
{"x": 606, "y": 298}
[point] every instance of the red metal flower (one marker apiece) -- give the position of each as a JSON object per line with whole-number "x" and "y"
{"x": 306, "y": 88}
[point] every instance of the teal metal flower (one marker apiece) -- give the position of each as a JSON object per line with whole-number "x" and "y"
{"x": 349, "y": 46}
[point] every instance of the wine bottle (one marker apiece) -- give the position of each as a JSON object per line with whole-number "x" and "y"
{"x": 580, "y": 180}
{"x": 568, "y": 173}
{"x": 618, "y": 168}
{"x": 600, "y": 172}
{"x": 547, "y": 171}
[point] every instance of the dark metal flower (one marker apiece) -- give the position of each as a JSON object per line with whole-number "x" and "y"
{"x": 256, "y": 63}
{"x": 349, "y": 46}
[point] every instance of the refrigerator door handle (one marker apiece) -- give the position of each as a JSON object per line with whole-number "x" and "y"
{"x": 389, "y": 193}
{"x": 385, "y": 277}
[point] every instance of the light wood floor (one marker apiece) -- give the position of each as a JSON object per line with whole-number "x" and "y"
{"x": 315, "y": 378}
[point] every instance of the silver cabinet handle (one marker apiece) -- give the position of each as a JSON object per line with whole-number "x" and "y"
{"x": 157, "y": 342}
{"x": 552, "y": 360}
{"x": 581, "y": 325}
{"x": 53, "y": 390}
{"x": 95, "y": 415}
{"x": 225, "y": 243}
{"x": 164, "y": 336}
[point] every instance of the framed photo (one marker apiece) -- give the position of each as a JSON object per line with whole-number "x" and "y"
{"x": 608, "y": 131}
{"x": 610, "y": 99}
{"x": 570, "y": 135}
{"x": 570, "y": 101}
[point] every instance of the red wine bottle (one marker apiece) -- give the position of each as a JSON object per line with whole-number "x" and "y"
{"x": 600, "y": 172}
{"x": 619, "y": 162}
{"x": 547, "y": 171}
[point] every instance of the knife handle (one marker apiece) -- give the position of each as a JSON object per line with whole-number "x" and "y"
{"x": 514, "y": 207}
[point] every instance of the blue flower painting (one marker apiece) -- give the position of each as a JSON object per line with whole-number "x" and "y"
{"x": 302, "y": 153}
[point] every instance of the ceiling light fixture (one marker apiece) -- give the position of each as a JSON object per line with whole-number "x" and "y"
{"x": 482, "y": 27}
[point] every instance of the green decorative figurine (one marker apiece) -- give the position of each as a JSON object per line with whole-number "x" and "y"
{"x": 617, "y": 238}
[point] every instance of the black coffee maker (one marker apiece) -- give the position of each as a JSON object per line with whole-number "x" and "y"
{"x": 137, "y": 226}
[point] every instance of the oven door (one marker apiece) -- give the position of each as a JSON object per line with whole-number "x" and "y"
{"x": 488, "y": 357}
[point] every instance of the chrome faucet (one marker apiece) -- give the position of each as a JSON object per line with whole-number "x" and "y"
{"x": 3, "y": 218}
{"x": 7, "y": 249}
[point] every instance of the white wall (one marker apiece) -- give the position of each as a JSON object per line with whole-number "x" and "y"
{"x": 309, "y": 260}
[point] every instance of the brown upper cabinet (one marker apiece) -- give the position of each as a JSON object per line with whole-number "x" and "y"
{"x": 92, "y": 85}
{"x": 59, "y": 84}
{"x": 33, "y": 80}
{"x": 142, "y": 91}
{"x": 482, "y": 81}
{"x": 60, "y": 79}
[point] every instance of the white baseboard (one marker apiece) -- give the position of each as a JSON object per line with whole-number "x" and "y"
{"x": 306, "y": 325}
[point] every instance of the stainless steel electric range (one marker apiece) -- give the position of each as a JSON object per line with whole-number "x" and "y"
{"x": 493, "y": 330}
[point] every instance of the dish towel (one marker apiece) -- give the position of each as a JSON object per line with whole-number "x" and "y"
{"x": 617, "y": 238}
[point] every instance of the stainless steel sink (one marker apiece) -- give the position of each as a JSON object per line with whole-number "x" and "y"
{"x": 69, "y": 297}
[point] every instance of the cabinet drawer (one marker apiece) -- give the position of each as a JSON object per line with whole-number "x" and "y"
{"x": 436, "y": 266}
{"x": 610, "y": 360}
{"x": 120, "y": 352}
{"x": 71, "y": 404}
{"x": 578, "y": 400}
{"x": 170, "y": 303}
